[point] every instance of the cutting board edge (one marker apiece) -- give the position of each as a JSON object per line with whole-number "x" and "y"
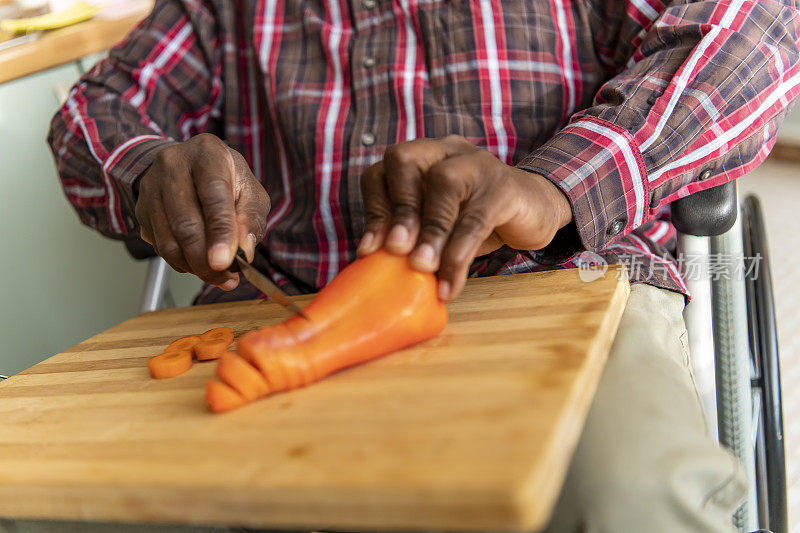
{"x": 533, "y": 517}
{"x": 482, "y": 511}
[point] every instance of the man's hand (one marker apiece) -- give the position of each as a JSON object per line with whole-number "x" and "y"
{"x": 197, "y": 203}
{"x": 446, "y": 201}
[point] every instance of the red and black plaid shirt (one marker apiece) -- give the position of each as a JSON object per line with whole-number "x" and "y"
{"x": 624, "y": 104}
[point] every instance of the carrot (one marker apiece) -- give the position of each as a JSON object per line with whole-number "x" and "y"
{"x": 242, "y": 377}
{"x": 220, "y": 333}
{"x": 221, "y": 397}
{"x": 173, "y": 361}
{"x": 170, "y": 364}
{"x": 184, "y": 343}
{"x": 375, "y": 306}
{"x": 213, "y": 343}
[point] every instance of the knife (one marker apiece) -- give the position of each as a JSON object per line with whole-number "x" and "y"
{"x": 263, "y": 283}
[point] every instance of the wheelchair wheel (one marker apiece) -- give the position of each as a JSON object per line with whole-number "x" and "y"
{"x": 770, "y": 455}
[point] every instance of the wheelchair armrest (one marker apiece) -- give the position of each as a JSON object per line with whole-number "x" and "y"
{"x": 706, "y": 213}
{"x": 139, "y": 249}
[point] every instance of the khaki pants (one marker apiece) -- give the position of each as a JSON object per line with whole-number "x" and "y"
{"x": 645, "y": 462}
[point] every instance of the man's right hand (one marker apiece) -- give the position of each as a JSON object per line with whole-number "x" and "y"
{"x": 197, "y": 203}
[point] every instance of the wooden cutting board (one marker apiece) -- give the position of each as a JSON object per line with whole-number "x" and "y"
{"x": 472, "y": 430}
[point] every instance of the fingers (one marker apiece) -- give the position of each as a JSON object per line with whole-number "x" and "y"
{"x": 393, "y": 190}
{"x": 186, "y": 222}
{"x": 197, "y": 203}
{"x": 458, "y": 216}
{"x": 403, "y": 169}
{"x": 252, "y": 207}
{"x": 164, "y": 242}
{"x": 247, "y": 241}
{"x": 154, "y": 229}
{"x": 447, "y": 185}
{"x": 213, "y": 173}
{"x": 377, "y": 209}
{"x": 473, "y": 227}
{"x": 423, "y": 196}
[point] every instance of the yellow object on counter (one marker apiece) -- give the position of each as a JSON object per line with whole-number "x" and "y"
{"x": 77, "y": 13}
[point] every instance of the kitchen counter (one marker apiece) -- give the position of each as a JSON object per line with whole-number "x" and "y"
{"x": 71, "y": 43}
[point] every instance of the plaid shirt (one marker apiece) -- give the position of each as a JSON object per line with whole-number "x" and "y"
{"x": 625, "y": 105}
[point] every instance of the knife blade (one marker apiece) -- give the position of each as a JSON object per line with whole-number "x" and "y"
{"x": 263, "y": 283}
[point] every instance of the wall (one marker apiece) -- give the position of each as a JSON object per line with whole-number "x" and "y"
{"x": 61, "y": 282}
{"x": 790, "y": 129}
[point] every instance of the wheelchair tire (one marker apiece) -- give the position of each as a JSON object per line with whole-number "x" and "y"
{"x": 770, "y": 456}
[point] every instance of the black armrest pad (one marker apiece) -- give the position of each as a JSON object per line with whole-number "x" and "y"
{"x": 139, "y": 249}
{"x": 705, "y": 213}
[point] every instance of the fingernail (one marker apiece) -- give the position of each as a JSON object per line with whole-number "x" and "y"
{"x": 220, "y": 257}
{"x": 229, "y": 285}
{"x": 398, "y": 236}
{"x": 251, "y": 237}
{"x": 424, "y": 255}
{"x": 444, "y": 289}
{"x": 365, "y": 246}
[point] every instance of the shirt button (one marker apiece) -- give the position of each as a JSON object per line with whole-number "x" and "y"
{"x": 367, "y": 139}
{"x": 704, "y": 175}
{"x": 615, "y": 227}
{"x": 368, "y": 4}
{"x": 368, "y": 62}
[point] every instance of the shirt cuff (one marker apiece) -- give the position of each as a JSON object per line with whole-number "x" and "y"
{"x": 126, "y": 164}
{"x": 599, "y": 167}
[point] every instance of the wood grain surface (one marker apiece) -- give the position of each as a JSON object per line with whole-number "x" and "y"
{"x": 67, "y": 44}
{"x": 472, "y": 430}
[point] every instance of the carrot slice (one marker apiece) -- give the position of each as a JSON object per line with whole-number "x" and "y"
{"x": 213, "y": 343}
{"x": 221, "y": 397}
{"x": 273, "y": 371}
{"x": 215, "y": 334}
{"x": 170, "y": 364}
{"x": 257, "y": 342}
{"x": 208, "y": 350}
{"x": 242, "y": 376}
{"x": 184, "y": 343}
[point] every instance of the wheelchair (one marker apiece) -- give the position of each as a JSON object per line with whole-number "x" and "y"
{"x": 736, "y": 361}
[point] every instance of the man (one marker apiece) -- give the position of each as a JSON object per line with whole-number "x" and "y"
{"x": 480, "y": 138}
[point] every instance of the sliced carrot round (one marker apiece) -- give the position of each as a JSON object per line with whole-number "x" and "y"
{"x": 220, "y": 397}
{"x": 184, "y": 343}
{"x": 273, "y": 370}
{"x": 218, "y": 334}
{"x": 170, "y": 364}
{"x": 252, "y": 343}
{"x": 208, "y": 350}
{"x": 242, "y": 376}
{"x": 213, "y": 343}
{"x": 296, "y": 366}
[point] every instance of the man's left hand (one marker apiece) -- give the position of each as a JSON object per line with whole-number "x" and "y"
{"x": 446, "y": 201}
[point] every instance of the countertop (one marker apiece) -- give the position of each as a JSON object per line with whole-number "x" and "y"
{"x": 57, "y": 47}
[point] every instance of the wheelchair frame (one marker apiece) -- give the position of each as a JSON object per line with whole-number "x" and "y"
{"x": 736, "y": 363}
